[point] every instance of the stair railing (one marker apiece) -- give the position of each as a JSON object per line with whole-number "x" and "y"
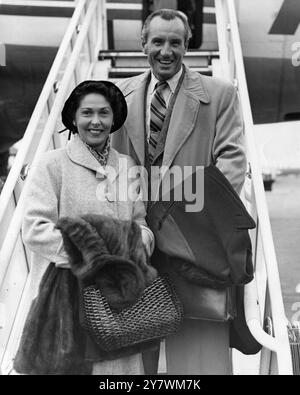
{"x": 263, "y": 296}
{"x": 74, "y": 62}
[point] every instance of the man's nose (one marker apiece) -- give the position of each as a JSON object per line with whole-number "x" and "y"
{"x": 166, "y": 50}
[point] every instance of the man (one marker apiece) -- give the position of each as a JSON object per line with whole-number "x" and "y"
{"x": 192, "y": 121}
{"x": 192, "y": 9}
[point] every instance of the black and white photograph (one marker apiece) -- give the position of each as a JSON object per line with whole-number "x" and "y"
{"x": 150, "y": 191}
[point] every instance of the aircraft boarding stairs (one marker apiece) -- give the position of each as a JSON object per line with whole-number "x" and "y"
{"x": 83, "y": 54}
{"x": 121, "y": 62}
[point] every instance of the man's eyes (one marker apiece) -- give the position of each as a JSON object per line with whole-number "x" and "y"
{"x": 172, "y": 43}
{"x": 176, "y": 43}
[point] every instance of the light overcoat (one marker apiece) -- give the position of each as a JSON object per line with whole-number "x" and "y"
{"x": 205, "y": 126}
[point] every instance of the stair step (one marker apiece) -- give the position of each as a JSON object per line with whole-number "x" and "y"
{"x": 125, "y": 72}
{"x": 139, "y": 59}
{"x": 104, "y": 54}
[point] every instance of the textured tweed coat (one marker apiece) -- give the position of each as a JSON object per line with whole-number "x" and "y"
{"x": 71, "y": 182}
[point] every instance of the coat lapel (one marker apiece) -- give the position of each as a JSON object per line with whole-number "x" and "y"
{"x": 135, "y": 124}
{"x": 190, "y": 97}
{"x": 79, "y": 154}
{"x": 181, "y": 125}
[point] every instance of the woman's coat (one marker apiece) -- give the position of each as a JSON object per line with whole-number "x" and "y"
{"x": 71, "y": 182}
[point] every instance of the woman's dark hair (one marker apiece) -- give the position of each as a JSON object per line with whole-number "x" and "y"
{"x": 105, "y": 88}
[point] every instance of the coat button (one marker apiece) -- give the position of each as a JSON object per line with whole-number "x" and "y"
{"x": 110, "y": 197}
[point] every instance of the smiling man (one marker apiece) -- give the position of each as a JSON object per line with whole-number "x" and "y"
{"x": 165, "y": 42}
{"x": 179, "y": 118}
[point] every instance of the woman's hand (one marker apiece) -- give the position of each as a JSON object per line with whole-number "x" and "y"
{"x": 148, "y": 239}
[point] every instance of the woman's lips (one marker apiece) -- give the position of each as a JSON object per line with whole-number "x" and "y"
{"x": 95, "y": 131}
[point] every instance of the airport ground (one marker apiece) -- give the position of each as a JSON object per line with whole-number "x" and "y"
{"x": 284, "y": 209}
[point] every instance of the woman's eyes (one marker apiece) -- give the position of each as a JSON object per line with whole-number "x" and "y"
{"x": 89, "y": 112}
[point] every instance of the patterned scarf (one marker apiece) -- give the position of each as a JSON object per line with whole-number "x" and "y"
{"x": 102, "y": 156}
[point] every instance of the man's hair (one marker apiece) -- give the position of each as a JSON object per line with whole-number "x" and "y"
{"x": 168, "y": 15}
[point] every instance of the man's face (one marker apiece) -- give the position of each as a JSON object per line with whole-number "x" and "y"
{"x": 165, "y": 47}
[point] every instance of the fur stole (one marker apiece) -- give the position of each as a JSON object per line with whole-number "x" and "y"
{"x": 52, "y": 342}
{"x": 110, "y": 254}
{"x": 102, "y": 251}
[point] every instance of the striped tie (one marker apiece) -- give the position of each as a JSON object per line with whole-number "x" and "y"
{"x": 157, "y": 115}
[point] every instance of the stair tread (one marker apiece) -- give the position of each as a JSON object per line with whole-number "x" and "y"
{"x": 104, "y": 54}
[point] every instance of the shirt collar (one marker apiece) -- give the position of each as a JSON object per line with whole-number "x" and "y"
{"x": 172, "y": 82}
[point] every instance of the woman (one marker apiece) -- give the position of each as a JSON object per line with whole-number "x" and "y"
{"x": 75, "y": 180}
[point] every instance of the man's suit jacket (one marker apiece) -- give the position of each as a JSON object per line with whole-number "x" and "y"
{"x": 205, "y": 126}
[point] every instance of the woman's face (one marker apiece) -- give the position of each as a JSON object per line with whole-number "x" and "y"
{"x": 94, "y": 119}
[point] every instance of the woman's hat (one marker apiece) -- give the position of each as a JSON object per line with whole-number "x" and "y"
{"x": 105, "y": 88}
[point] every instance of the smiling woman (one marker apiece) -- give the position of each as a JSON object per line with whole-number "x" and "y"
{"x": 66, "y": 183}
{"x": 94, "y": 120}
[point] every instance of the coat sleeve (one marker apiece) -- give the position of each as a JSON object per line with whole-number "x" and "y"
{"x": 41, "y": 213}
{"x": 229, "y": 145}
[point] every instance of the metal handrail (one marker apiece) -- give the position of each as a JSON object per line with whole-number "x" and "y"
{"x": 222, "y": 39}
{"x": 15, "y": 223}
{"x": 85, "y": 35}
{"x": 280, "y": 342}
{"x": 14, "y": 173}
{"x": 38, "y": 3}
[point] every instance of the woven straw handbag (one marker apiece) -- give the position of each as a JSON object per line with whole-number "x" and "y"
{"x": 157, "y": 314}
